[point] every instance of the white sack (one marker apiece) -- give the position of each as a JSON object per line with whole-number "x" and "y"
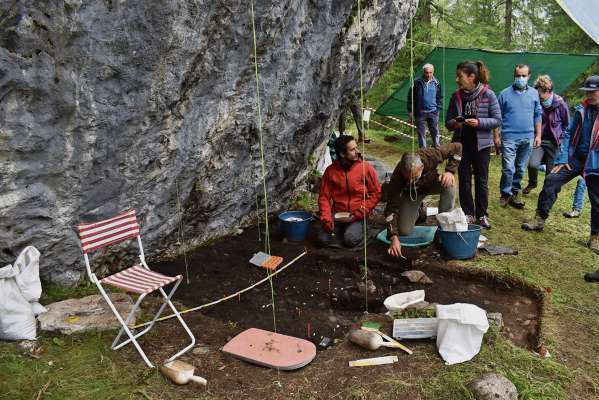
{"x": 454, "y": 220}
{"x": 460, "y": 331}
{"x": 20, "y": 289}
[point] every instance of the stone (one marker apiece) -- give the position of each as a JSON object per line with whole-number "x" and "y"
{"x": 369, "y": 285}
{"x": 27, "y": 346}
{"x": 495, "y": 318}
{"x": 416, "y": 276}
{"x": 200, "y": 349}
{"x": 87, "y": 313}
{"x": 108, "y": 105}
{"x": 493, "y": 386}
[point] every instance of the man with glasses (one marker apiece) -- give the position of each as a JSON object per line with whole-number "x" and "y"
{"x": 520, "y": 132}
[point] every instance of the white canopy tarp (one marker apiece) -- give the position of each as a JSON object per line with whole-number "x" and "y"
{"x": 584, "y": 13}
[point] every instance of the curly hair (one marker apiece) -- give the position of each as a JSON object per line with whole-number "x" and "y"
{"x": 544, "y": 83}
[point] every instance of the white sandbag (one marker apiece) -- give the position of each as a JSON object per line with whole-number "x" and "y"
{"x": 20, "y": 289}
{"x": 454, "y": 220}
{"x": 400, "y": 301}
{"x": 460, "y": 331}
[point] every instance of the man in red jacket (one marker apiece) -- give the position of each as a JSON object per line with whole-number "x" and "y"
{"x": 349, "y": 185}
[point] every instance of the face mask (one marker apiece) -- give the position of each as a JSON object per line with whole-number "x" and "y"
{"x": 548, "y": 102}
{"x": 520, "y": 82}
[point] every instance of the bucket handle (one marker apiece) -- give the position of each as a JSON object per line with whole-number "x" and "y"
{"x": 464, "y": 240}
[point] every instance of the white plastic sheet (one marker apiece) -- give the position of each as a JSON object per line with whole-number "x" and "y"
{"x": 584, "y": 13}
{"x": 20, "y": 290}
{"x": 454, "y": 220}
{"x": 460, "y": 331}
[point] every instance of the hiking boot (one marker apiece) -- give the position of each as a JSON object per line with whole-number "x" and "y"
{"x": 515, "y": 201}
{"x": 484, "y": 222}
{"x": 572, "y": 214}
{"x": 529, "y": 189}
{"x": 593, "y": 243}
{"x": 535, "y": 224}
{"x": 470, "y": 219}
{"x": 504, "y": 200}
{"x": 592, "y": 276}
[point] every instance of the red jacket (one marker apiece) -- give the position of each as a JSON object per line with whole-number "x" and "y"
{"x": 343, "y": 191}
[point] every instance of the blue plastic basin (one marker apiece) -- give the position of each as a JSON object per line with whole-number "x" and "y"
{"x": 420, "y": 236}
{"x": 460, "y": 245}
{"x": 295, "y": 230}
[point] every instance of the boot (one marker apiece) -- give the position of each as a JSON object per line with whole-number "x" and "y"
{"x": 594, "y": 243}
{"x": 529, "y": 189}
{"x": 592, "y": 276}
{"x": 515, "y": 201}
{"x": 535, "y": 224}
{"x": 504, "y": 200}
{"x": 572, "y": 214}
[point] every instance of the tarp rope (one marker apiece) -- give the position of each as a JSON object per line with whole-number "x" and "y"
{"x": 412, "y": 186}
{"x": 365, "y": 216}
{"x": 263, "y": 165}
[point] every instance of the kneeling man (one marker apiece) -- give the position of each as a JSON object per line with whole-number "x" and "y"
{"x": 414, "y": 178}
{"x": 349, "y": 186}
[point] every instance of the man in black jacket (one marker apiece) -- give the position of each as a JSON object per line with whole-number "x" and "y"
{"x": 425, "y": 100}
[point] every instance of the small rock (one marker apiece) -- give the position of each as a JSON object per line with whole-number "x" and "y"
{"x": 333, "y": 319}
{"x": 201, "y": 349}
{"x": 27, "y": 346}
{"x": 362, "y": 288}
{"x": 423, "y": 305}
{"x": 495, "y": 318}
{"x": 526, "y": 323}
{"x": 492, "y": 386}
{"x": 416, "y": 276}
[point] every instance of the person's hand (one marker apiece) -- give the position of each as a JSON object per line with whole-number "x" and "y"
{"x": 456, "y": 124}
{"x": 395, "y": 247}
{"x": 472, "y": 122}
{"x": 447, "y": 179}
{"x": 558, "y": 168}
{"x": 536, "y": 142}
{"x": 497, "y": 142}
{"x": 327, "y": 225}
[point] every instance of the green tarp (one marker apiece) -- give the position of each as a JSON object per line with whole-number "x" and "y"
{"x": 563, "y": 69}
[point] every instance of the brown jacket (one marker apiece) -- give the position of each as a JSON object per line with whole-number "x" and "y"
{"x": 428, "y": 182}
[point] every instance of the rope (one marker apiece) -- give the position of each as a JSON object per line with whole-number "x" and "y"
{"x": 413, "y": 196}
{"x": 267, "y": 233}
{"x": 399, "y": 121}
{"x": 236, "y": 294}
{"x": 365, "y": 222}
{"x": 181, "y": 239}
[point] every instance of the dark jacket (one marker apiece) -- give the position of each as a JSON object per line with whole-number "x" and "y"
{"x": 418, "y": 89}
{"x": 399, "y": 186}
{"x": 556, "y": 117}
{"x": 488, "y": 114}
{"x": 572, "y": 136}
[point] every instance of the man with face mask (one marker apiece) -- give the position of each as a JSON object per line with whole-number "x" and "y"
{"x": 414, "y": 178}
{"x": 520, "y": 131}
{"x": 578, "y": 156}
{"x": 349, "y": 191}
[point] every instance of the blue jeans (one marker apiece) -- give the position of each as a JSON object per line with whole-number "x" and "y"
{"x": 515, "y": 154}
{"x": 432, "y": 120}
{"x": 581, "y": 188}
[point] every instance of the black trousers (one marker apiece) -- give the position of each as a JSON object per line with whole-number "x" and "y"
{"x": 475, "y": 162}
{"x": 544, "y": 154}
{"x": 554, "y": 182}
{"x": 593, "y": 191}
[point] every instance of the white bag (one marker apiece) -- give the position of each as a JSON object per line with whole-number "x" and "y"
{"x": 460, "y": 331}
{"x": 400, "y": 301}
{"x": 454, "y": 220}
{"x": 20, "y": 289}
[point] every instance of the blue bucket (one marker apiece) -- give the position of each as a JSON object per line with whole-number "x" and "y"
{"x": 460, "y": 245}
{"x": 295, "y": 225}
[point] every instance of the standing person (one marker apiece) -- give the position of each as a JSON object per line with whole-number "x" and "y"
{"x": 578, "y": 156}
{"x": 343, "y": 189}
{"x": 415, "y": 177}
{"x": 555, "y": 120}
{"x": 472, "y": 115}
{"x": 520, "y": 132}
{"x": 425, "y": 99}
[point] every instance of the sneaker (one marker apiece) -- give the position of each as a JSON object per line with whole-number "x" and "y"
{"x": 484, "y": 222}
{"x": 592, "y": 276}
{"x": 529, "y": 189}
{"x": 535, "y": 224}
{"x": 515, "y": 201}
{"x": 593, "y": 243}
{"x": 470, "y": 219}
{"x": 504, "y": 200}
{"x": 572, "y": 214}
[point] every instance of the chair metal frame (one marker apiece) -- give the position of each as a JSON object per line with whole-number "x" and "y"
{"x": 132, "y": 336}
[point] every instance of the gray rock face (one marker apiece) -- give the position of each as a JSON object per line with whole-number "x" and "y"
{"x": 151, "y": 105}
{"x": 87, "y": 313}
{"x": 493, "y": 386}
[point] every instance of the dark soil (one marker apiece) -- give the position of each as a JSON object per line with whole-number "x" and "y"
{"x": 319, "y": 293}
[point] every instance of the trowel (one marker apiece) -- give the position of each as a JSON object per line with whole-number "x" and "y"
{"x": 181, "y": 373}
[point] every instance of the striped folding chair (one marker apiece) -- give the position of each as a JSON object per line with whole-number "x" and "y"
{"x": 137, "y": 279}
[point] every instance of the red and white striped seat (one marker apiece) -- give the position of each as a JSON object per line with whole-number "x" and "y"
{"x": 138, "y": 279}
{"x": 96, "y": 235}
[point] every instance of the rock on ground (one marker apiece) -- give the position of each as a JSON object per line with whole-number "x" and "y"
{"x": 416, "y": 276}
{"x": 88, "y": 313}
{"x": 151, "y": 105}
{"x": 492, "y": 386}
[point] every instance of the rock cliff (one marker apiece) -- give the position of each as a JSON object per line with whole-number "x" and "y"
{"x": 109, "y": 105}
